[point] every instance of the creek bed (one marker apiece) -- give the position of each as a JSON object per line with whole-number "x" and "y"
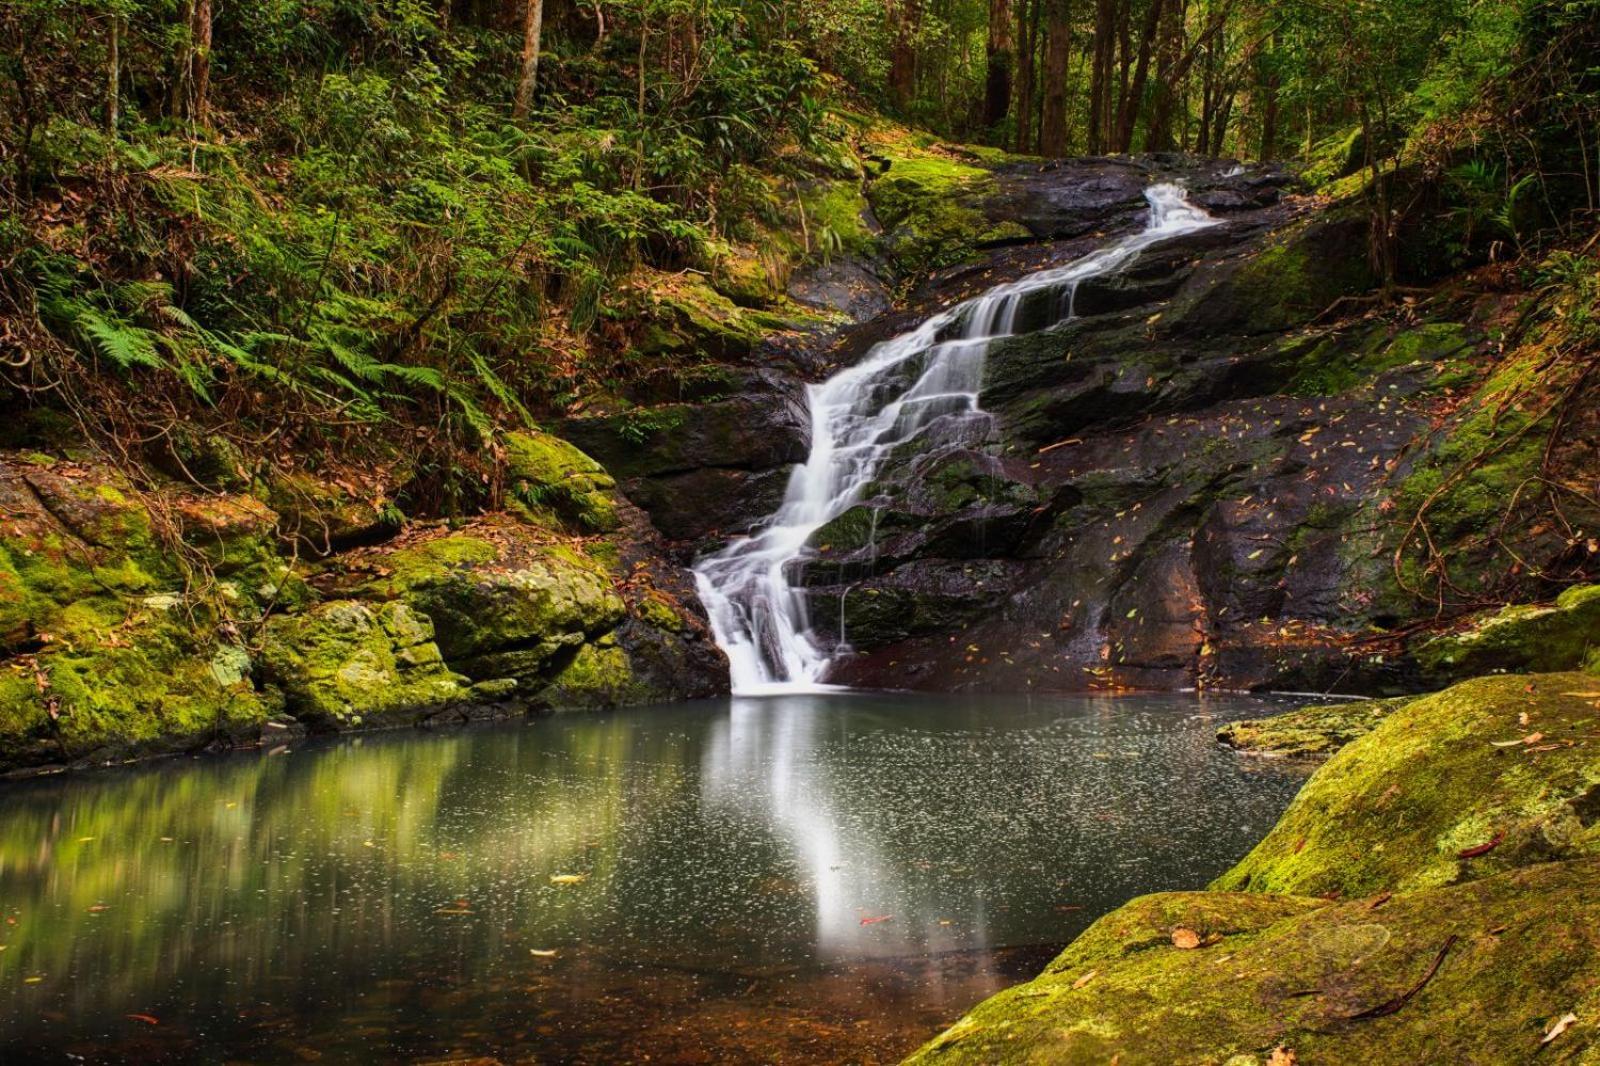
{"x": 796, "y": 879}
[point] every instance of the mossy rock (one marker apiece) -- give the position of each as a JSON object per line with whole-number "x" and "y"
{"x": 119, "y": 681}
{"x": 599, "y": 676}
{"x": 932, "y": 211}
{"x": 1564, "y": 635}
{"x": 324, "y": 517}
{"x": 1502, "y": 761}
{"x": 487, "y": 597}
{"x": 1476, "y": 973}
{"x": 551, "y": 477}
{"x": 1310, "y": 731}
{"x": 345, "y": 664}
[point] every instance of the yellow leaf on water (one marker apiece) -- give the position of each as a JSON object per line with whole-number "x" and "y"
{"x": 568, "y": 879}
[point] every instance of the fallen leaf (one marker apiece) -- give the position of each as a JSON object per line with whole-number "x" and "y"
{"x": 1481, "y": 849}
{"x": 568, "y": 879}
{"x": 1185, "y": 938}
{"x": 146, "y": 1018}
{"x": 1085, "y": 979}
{"x": 1282, "y": 1056}
{"x": 1563, "y": 1023}
{"x": 875, "y": 921}
{"x": 542, "y": 953}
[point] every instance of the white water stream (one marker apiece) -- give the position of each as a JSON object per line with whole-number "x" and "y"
{"x": 924, "y": 381}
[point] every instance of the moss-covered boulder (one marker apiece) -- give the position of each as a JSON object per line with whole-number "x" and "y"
{"x": 1476, "y": 973}
{"x": 1310, "y": 731}
{"x": 114, "y": 686}
{"x": 931, "y": 207}
{"x": 501, "y": 607}
{"x": 344, "y": 664}
{"x": 551, "y": 478}
{"x": 1491, "y": 774}
{"x": 324, "y": 516}
{"x": 1564, "y": 635}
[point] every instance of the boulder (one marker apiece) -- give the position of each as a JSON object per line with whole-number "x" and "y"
{"x": 345, "y": 664}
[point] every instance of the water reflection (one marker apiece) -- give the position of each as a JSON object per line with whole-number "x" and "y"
{"x": 811, "y": 878}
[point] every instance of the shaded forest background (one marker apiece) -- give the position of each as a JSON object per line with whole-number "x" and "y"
{"x": 296, "y": 220}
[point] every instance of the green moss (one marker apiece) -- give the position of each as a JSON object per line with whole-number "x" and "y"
{"x": 345, "y": 664}
{"x": 122, "y": 684}
{"x": 1479, "y": 972}
{"x": 930, "y": 208}
{"x": 1330, "y": 365}
{"x": 1482, "y": 459}
{"x": 836, "y": 218}
{"x": 1310, "y": 731}
{"x": 1441, "y": 775}
{"x": 598, "y": 676}
{"x": 551, "y": 477}
{"x": 483, "y": 602}
{"x": 1564, "y": 635}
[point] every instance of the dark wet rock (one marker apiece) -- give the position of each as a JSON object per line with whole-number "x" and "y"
{"x": 844, "y": 286}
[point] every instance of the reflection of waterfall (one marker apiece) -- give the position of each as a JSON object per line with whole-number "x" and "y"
{"x": 925, "y": 382}
{"x": 769, "y": 754}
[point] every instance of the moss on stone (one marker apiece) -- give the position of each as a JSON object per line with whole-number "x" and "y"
{"x": 550, "y": 477}
{"x": 122, "y": 682}
{"x": 931, "y": 209}
{"x": 598, "y": 676}
{"x": 1503, "y": 760}
{"x": 1472, "y": 973}
{"x": 1310, "y": 731}
{"x": 346, "y": 664}
{"x": 481, "y": 601}
{"x": 1564, "y": 635}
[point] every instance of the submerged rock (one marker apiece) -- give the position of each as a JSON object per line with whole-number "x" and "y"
{"x": 1310, "y": 731}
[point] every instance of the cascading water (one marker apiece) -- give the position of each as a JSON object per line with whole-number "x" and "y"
{"x": 924, "y": 381}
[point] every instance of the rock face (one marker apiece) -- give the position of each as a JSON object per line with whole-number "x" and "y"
{"x": 135, "y": 623}
{"x": 1432, "y": 895}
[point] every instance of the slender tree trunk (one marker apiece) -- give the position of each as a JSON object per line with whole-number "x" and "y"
{"x": 114, "y": 75}
{"x": 1027, "y": 40}
{"x": 1271, "y": 82}
{"x": 1158, "y": 135}
{"x": 1133, "y": 97}
{"x": 1100, "y": 94}
{"x": 202, "y": 62}
{"x": 1057, "y": 55}
{"x": 997, "y": 87}
{"x": 532, "y": 30}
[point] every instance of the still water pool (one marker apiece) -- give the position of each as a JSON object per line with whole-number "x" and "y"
{"x": 803, "y": 879}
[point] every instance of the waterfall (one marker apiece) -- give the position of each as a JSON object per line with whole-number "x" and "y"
{"x": 926, "y": 381}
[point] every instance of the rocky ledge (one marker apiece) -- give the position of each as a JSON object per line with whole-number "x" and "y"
{"x": 169, "y": 617}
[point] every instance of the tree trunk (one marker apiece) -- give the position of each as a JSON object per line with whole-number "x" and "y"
{"x": 1027, "y": 49}
{"x": 532, "y": 29}
{"x": 905, "y": 18}
{"x": 997, "y": 87}
{"x": 202, "y": 62}
{"x": 114, "y": 75}
{"x": 1100, "y": 94}
{"x": 1057, "y": 55}
{"x": 1158, "y": 135}
{"x": 1271, "y": 81}
{"x": 1133, "y": 96}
